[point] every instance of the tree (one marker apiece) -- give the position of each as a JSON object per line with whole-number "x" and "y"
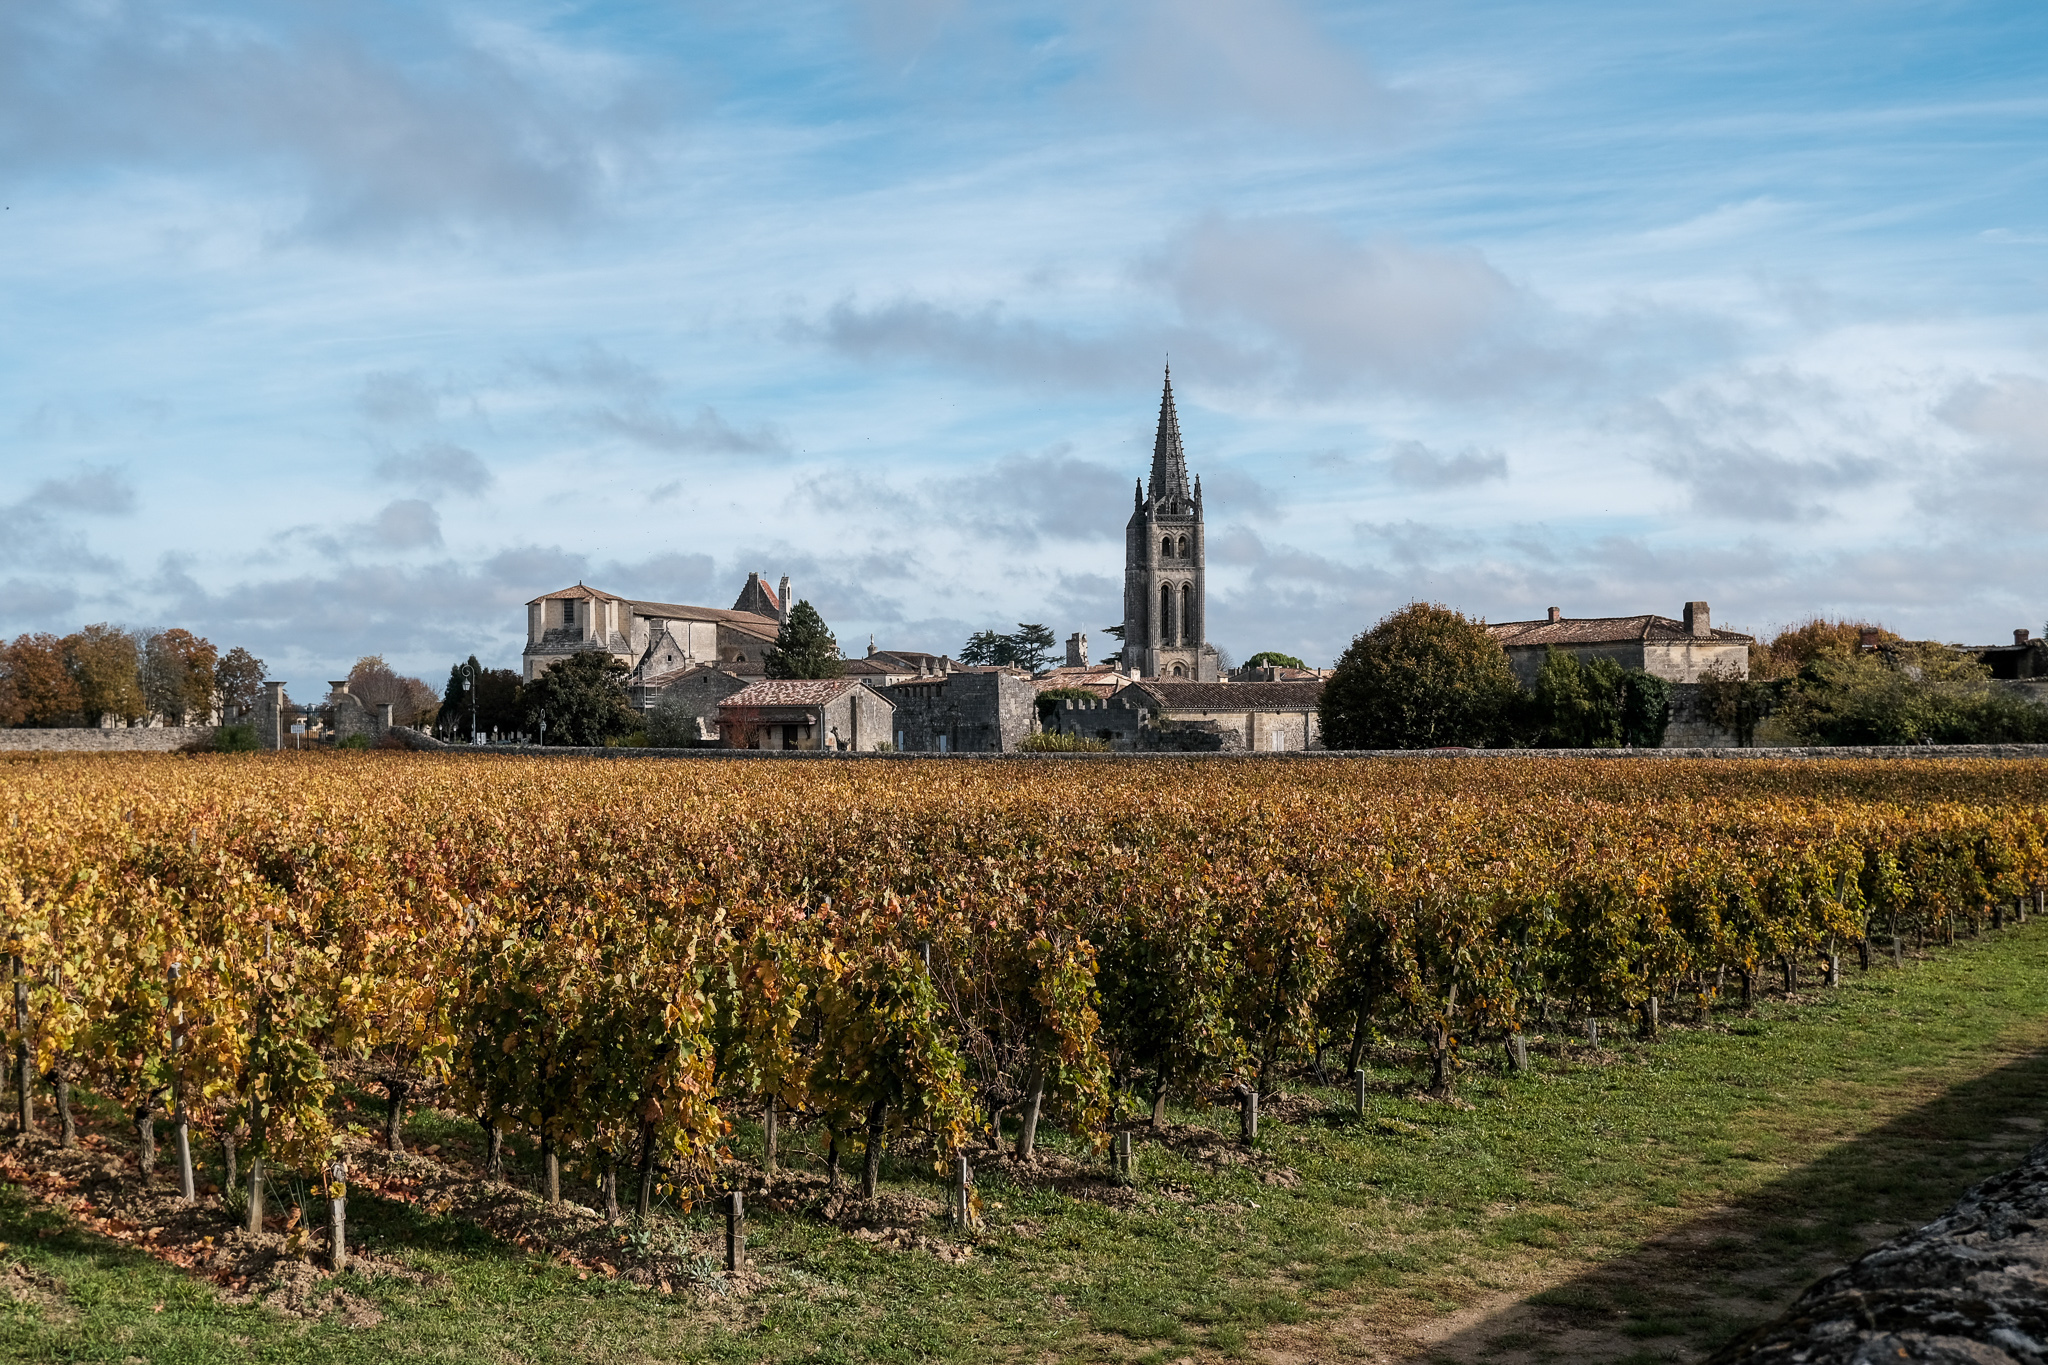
{"x": 1597, "y": 704}
{"x": 177, "y": 675}
{"x": 583, "y": 699}
{"x": 238, "y": 679}
{"x": 1273, "y": 658}
{"x": 374, "y": 682}
{"x": 1029, "y": 647}
{"x": 1425, "y": 676}
{"x": 496, "y": 705}
{"x": 1116, "y": 633}
{"x": 106, "y": 663}
{"x": 37, "y": 688}
{"x": 804, "y": 648}
{"x": 1906, "y": 694}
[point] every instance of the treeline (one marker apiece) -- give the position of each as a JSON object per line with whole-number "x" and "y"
{"x": 1428, "y": 677}
{"x": 110, "y": 675}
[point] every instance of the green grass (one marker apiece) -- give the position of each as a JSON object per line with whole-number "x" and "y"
{"x": 1651, "y": 1207}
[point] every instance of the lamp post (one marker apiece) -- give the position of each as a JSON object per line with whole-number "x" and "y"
{"x": 469, "y": 686}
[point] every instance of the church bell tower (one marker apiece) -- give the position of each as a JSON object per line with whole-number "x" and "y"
{"x": 1165, "y": 612}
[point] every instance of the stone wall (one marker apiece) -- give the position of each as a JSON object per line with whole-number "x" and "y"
{"x": 1689, "y": 727}
{"x": 1972, "y": 1286}
{"x": 137, "y": 739}
{"x": 974, "y": 712}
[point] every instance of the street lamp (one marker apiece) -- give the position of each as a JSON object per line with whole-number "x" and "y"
{"x": 469, "y": 686}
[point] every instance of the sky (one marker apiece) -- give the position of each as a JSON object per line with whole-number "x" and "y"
{"x": 347, "y": 330}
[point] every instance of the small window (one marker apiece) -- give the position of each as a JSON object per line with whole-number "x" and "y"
{"x": 1166, "y": 548}
{"x": 1182, "y": 548}
{"x": 568, "y": 611}
{"x": 1179, "y": 672}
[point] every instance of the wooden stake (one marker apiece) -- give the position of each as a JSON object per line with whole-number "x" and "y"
{"x": 1358, "y": 1092}
{"x": 181, "y": 1121}
{"x": 24, "y": 1060}
{"x": 735, "y": 1233}
{"x": 337, "y": 1215}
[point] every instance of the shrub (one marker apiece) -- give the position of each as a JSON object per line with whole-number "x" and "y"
{"x": 235, "y": 739}
{"x": 355, "y": 741}
{"x": 1051, "y": 742}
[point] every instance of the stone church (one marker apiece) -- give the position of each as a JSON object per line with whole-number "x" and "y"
{"x": 1164, "y": 557}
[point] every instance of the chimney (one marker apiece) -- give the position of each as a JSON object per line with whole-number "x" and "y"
{"x": 1699, "y": 622}
{"x": 2019, "y": 637}
{"x": 784, "y": 596}
{"x": 1077, "y": 650}
{"x": 871, "y": 645}
{"x": 1556, "y": 615}
{"x": 342, "y": 686}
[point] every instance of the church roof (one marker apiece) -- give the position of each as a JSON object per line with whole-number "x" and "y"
{"x": 1604, "y": 630}
{"x": 1169, "y": 461}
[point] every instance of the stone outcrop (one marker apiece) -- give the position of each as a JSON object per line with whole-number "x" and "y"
{"x": 1972, "y": 1286}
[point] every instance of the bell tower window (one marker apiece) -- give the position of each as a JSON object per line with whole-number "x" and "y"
{"x": 1166, "y": 548}
{"x": 1166, "y": 614}
{"x": 568, "y": 611}
{"x": 1181, "y": 549}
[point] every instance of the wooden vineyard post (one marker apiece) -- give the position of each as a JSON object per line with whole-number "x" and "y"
{"x": 337, "y": 1215}
{"x": 1998, "y": 914}
{"x": 1834, "y": 977}
{"x": 768, "y": 1135}
{"x": 1120, "y": 1157}
{"x": 24, "y": 1059}
{"x": 1518, "y": 1061}
{"x": 1358, "y": 1092}
{"x": 963, "y": 1194}
{"x": 1592, "y": 1031}
{"x": 256, "y": 1088}
{"x": 735, "y": 1233}
{"x": 1247, "y": 1114}
{"x": 1649, "y": 1022}
{"x": 180, "y": 1121}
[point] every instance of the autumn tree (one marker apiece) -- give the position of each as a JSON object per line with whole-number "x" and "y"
{"x": 35, "y": 686}
{"x": 374, "y": 682}
{"x": 804, "y": 648}
{"x": 1425, "y": 676}
{"x": 238, "y": 679}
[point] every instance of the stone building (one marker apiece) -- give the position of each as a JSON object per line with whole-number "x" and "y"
{"x": 1229, "y": 717}
{"x": 653, "y": 638}
{"x": 349, "y": 716}
{"x": 2026, "y": 657}
{"x": 838, "y": 714}
{"x": 974, "y": 710}
{"x": 1165, "y": 565}
{"x": 1676, "y": 651}
{"x": 695, "y": 694}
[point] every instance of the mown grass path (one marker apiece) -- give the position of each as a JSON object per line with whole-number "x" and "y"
{"x": 1642, "y": 1208}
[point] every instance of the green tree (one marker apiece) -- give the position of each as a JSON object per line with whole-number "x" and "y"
{"x": 106, "y": 663}
{"x": 1423, "y": 677}
{"x": 177, "y": 675}
{"x": 1029, "y": 647}
{"x": 496, "y": 706}
{"x": 1273, "y": 658}
{"x": 1906, "y": 694}
{"x": 804, "y": 648}
{"x": 1596, "y": 704}
{"x": 583, "y": 699}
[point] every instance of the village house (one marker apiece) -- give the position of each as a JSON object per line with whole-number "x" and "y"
{"x": 1677, "y": 651}
{"x": 1228, "y": 717}
{"x": 836, "y": 714}
{"x": 971, "y": 710}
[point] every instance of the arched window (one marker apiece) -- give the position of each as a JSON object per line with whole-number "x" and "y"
{"x": 1187, "y": 613}
{"x": 1166, "y": 548}
{"x": 1182, "y": 548}
{"x": 1165, "y": 613}
{"x": 1179, "y": 672}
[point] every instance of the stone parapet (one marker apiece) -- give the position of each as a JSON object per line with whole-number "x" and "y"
{"x": 128, "y": 739}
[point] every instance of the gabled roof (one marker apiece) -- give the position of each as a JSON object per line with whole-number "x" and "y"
{"x": 791, "y": 692}
{"x": 1606, "y": 630}
{"x": 1167, "y": 694}
{"x": 753, "y": 623}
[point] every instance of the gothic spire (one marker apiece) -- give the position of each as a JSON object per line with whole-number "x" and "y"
{"x": 1169, "y": 463}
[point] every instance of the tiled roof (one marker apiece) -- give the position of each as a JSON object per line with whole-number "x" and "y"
{"x": 578, "y": 591}
{"x": 1604, "y": 630}
{"x": 791, "y": 692}
{"x": 1169, "y": 695}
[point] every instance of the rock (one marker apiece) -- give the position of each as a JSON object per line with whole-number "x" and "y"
{"x": 1971, "y": 1286}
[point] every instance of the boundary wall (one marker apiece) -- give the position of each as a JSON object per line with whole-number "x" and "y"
{"x": 155, "y": 739}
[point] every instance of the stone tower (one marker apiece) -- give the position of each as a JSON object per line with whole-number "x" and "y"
{"x": 1165, "y": 612}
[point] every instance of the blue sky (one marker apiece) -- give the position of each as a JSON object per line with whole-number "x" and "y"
{"x": 341, "y": 330}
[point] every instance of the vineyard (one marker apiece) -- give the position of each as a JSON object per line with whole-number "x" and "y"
{"x": 623, "y": 963}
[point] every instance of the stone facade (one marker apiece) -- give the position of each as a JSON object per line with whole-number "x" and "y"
{"x": 977, "y": 710}
{"x": 1677, "y": 651}
{"x": 1188, "y": 717}
{"x": 1166, "y": 566}
{"x": 697, "y": 692}
{"x": 833, "y": 714}
{"x": 653, "y": 638}
{"x": 350, "y": 717}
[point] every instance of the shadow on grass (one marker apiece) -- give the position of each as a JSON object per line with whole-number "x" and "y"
{"x": 1684, "y": 1294}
